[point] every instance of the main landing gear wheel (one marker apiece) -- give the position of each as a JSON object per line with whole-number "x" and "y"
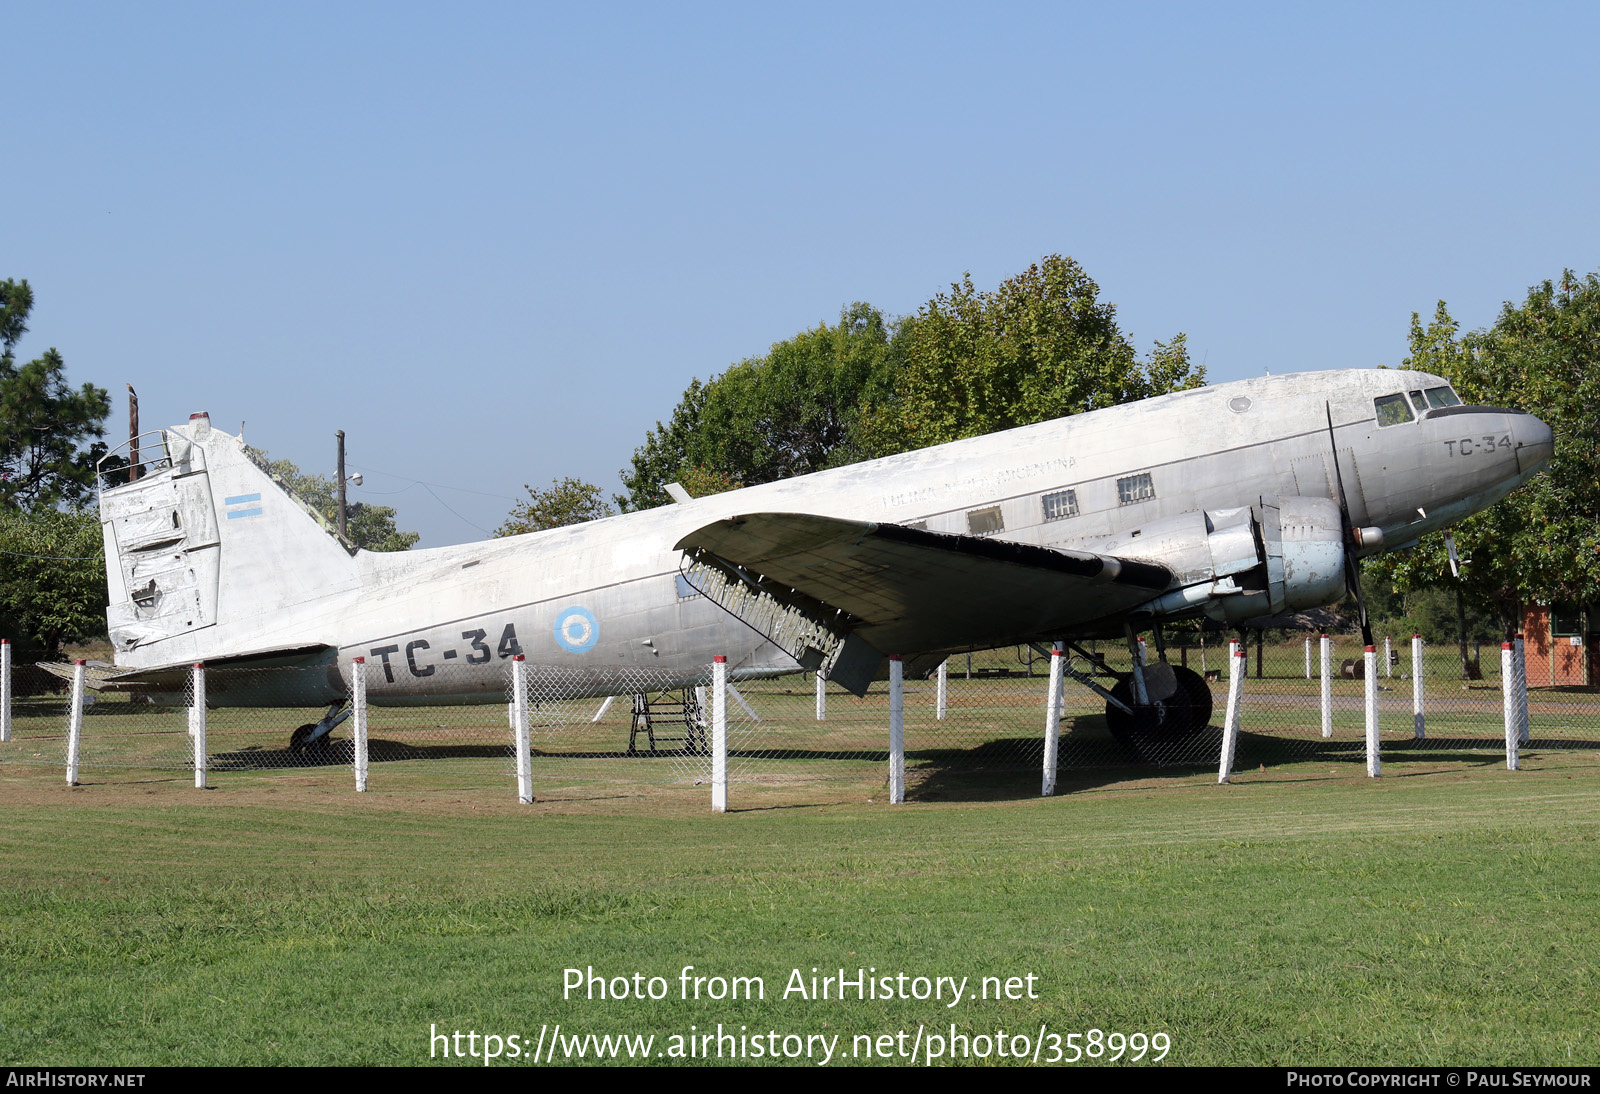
{"x": 1180, "y": 708}
{"x": 1199, "y": 692}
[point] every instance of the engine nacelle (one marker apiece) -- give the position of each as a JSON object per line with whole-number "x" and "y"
{"x": 1237, "y": 564}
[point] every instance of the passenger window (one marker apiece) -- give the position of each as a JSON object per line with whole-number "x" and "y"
{"x": 1135, "y": 488}
{"x": 1061, "y": 505}
{"x": 985, "y": 522}
{"x": 1392, "y": 410}
{"x": 1443, "y": 396}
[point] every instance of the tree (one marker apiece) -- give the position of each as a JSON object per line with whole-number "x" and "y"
{"x": 1543, "y": 542}
{"x": 567, "y": 501}
{"x": 700, "y": 481}
{"x": 1041, "y": 346}
{"x": 44, "y": 424}
{"x": 54, "y": 581}
{"x": 792, "y": 411}
{"x": 662, "y": 456}
{"x": 370, "y": 527}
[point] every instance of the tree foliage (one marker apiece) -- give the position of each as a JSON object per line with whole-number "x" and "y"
{"x": 792, "y": 411}
{"x": 54, "y": 586}
{"x": 566, "y": 501}
{"x": 48, "y": 431}
{"x": 1543, "y": 542}
{"x": 370, "y": 527}
{"x": 1041, "y": 346}
{"x": 663, "y": 455}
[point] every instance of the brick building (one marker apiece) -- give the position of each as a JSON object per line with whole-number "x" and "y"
{"x": 1562, "y": 645}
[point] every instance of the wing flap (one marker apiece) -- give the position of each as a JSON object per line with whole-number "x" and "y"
{"x": 908, "y": 590}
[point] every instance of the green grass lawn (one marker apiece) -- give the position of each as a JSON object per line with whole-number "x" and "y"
{"x": 1305, "y": 914}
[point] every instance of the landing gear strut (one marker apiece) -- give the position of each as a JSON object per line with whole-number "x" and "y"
{"x": 1180, "y": 707}
{"x": 1156, "y": 708}
{"x": 315, "y": 734}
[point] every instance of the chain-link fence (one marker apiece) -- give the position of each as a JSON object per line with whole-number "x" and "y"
{"x": 975, "y": 728}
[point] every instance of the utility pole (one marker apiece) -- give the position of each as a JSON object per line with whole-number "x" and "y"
{"x": 133, "y": 434}
{"x": 342, "y": 535}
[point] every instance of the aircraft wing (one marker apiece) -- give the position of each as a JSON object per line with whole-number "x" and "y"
{"x": 907, "y": 590}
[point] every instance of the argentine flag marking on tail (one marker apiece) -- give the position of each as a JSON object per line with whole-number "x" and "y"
{"x": 234, "y": 504}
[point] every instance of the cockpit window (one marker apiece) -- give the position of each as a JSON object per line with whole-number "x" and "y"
{"x": 1443, "y": 396}
{"x": 1420, "y": 402}
{"x": 1392, "y": 410}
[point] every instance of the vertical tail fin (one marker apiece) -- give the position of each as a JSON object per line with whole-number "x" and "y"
{"x": 208, "y": 556}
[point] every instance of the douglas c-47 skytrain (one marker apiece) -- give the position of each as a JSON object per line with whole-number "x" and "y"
{"x": 1235, "y": 502}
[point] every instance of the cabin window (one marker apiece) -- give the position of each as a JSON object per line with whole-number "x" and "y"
{"x": 1135, "y": 488}
{"x": 1061, "y": 505}
{"x": 921, "y": 525}
{"x": 1443, "y": 396}
{"x": 1392, "y": 410}
{"x": 985, "y": 522}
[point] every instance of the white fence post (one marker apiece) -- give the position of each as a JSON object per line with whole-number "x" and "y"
{"x": 719, "y": 734}
{"x": 1327, "y": 686}
{"x": 1308, "y": 658}
{"x": 197, "y": 722}
{"x": 1388, "y": 659}
{"x": 897, "y": 730}
{"x": 1230, "y": 724}
{"x": 942, "y": 694}
{"x": 5, "y": 689}
{"x": 519, "y": 721}
{"x": 75, "y": 724}
{"x": 1508, "y": 698}
{"x": 358, "y": 719}
{"x": 1370, "y": 654}
{"x": 1416, "y": 687}
{"x": 1052, "y": 722}
{"x": 1522, "y": 690}
{"x": 822, "y": 698}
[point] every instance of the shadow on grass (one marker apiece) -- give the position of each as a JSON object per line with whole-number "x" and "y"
{"x": 339, "y": 752}
{"x": 1012, "y": 768}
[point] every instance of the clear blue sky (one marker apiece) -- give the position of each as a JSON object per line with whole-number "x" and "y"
{"x": 494, "y": 242}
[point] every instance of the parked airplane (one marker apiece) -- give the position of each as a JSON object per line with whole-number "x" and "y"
{"x": 1234, "y": 501}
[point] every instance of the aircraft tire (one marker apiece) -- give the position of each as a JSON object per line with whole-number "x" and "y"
{"x": 297, "y": 739}
{"x": 1199, "y": 692}
{"x": 1156, "y": 733}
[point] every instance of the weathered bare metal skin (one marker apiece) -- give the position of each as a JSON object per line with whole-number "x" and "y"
{"x": 1226, "y": 491}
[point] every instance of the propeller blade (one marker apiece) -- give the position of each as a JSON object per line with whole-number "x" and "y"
{"x": 1352, "y": 566}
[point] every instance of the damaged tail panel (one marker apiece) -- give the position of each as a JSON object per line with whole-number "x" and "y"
{"x": 208, "y": 555}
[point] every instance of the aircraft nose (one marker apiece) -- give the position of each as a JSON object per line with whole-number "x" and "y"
{"x": 1536, "y": 442}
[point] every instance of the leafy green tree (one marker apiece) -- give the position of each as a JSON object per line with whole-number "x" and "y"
{"x": 1543, "y": 542}
{"x": 54, "y": 581}
{"x": 567, "y": 501}
{"x": 700, "y": 481}
{"x": 1041, "y": 346}
{"x": 370, "y": 527}
{"x": 794, "y": 410}
{"x": 48, "y": 431}
{"x": 789, "y": 412}
{"x": 663, "y": 455}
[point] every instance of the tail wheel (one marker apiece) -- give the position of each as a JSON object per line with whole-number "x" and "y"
{"x": 297, "y": 739}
